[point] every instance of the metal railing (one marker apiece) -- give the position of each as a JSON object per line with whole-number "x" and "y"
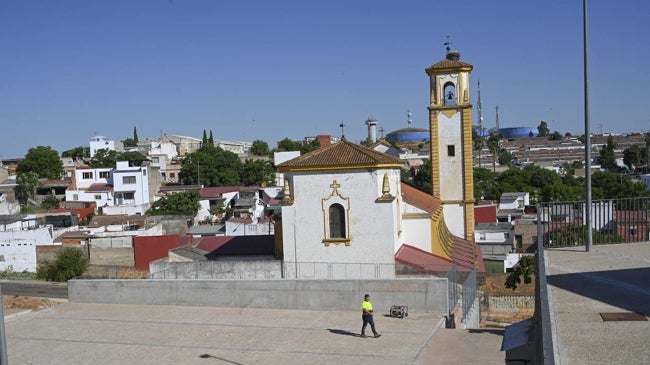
{"x": 469, "y": 294}
{"x": 612, "y": 221}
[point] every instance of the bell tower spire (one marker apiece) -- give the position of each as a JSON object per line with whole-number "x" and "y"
{"x": 450, "y": 126}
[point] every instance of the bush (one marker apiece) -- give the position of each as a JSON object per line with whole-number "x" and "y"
{"x": 69, "y": 262}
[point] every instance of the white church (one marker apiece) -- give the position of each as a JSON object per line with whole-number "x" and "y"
{"x": 346, "y": 213}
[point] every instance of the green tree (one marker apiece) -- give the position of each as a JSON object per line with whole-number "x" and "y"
{"x": 184, "y": 203}
{"x": 204, "y": 140}
{"x": 609, "y": 185}
{"x": 211, "y": 139}
{"x": 493, "y": 146}
{"x": 478, "y": 143}
{"x": 103, "y": 158}
{"x": 42, "y": 160}
{"x": 78, "y": 153}
{"x": 288, "y": 145}
{"x": 608, "y": 156}
{"x": 135, "y": 158}
{"x": 525, "y": 268}
{"x": 50, "y": 202}
{"x": 211, "y": 166}
{"x": 555, "y": 136}
{"x": 260, "y": 148}
{"x": 257, "y": 173}
{"x": 542, "y": 129}
{"x": 485, "y": 184}
{"x": 69, "y": 262}
{"x": 311, "y": 146}
{"x": 135, "y": 135}
{"x": 634, "y": 156}
{"x": 505, "y": 158}
{"x": 422, "y": 179}
{"x": 27, "y": 183}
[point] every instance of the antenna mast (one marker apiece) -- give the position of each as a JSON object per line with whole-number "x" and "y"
{"x": 479, "y": 109}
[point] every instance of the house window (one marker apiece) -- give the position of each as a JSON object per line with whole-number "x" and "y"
{"x": 451, "y": 150}
{"x": 128, "y": 180}
{"x": 98, "y": 197}
{"x": 144, "y": 172}
{"x": 172, "y": 175}
{"x": 337, "y": 221}
{"x": 481, "y": 236}
{"x": 633, "y": 231}
{"x": 128, "y": 196}
{"x": 104, "y": 174}
{"x": 87, "y": 175}
{"x": 75, "y": 196}
{"x": 505, "y": 235}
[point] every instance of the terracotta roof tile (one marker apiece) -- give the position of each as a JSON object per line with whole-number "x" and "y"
{"x": 340, "y": 155}
{"x": 448, "y": 64}
{"x": 419, "y": 198}
{"x": 421, "y": 260}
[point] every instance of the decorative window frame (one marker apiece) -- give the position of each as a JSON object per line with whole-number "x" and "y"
{"x": 335, "y": 197}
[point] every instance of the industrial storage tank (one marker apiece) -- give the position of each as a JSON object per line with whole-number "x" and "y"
{"x": 518, "y": 132}
{"x": 408, "y": 135}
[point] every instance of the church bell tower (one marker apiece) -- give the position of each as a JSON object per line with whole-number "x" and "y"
{"x": 450, "y": 126}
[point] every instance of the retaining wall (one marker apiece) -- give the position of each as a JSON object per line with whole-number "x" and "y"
{"x": 421, "y": 295}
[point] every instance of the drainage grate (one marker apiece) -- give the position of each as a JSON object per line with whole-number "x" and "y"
{"x": 610, "y": 317}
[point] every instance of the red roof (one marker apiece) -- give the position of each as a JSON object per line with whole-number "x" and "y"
{"x": 217, "y": 191}
{"x": 429, "y": 262}
{"x": 419, "y": 198}
{"x": 98, "y": 187}
{"x": 421, "y": 260}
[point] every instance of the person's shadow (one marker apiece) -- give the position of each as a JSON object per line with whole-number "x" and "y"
{"x": 343, "y": 332}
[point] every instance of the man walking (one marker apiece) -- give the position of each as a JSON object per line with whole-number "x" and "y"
{"x": 367, "y": 316}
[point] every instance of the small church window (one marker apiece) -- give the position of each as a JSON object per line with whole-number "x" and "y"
{"x": 451, "y": 150}
{"x": 337, "y": 221}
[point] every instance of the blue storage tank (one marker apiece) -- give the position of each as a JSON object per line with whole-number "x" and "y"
{"x": 408, "y": 135}
{"x": 518, "y": 132}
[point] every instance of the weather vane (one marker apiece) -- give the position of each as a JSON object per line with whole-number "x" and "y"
{"x": 342, "y": 130}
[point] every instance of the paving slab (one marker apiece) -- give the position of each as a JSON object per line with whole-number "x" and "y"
{"x": 610, "y": 279}
{"x": 82, "y": 333}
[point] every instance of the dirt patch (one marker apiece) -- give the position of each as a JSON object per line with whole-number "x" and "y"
{"x": 15, "y": 302}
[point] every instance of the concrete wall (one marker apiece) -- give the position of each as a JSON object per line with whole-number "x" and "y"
{"x": 421, "y": 295}
{"x": 258, "y": 269}
{"x": 122, "y": 256}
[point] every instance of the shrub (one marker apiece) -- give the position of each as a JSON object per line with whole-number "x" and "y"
{"x": 69, "y": 262}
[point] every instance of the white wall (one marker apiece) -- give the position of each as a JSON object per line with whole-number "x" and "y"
{"x": 451, "y": 168}
{"x": 18, "y": 248}
{"x": 373, "y": 225}
{"x": 416, "y": 228}
{"x": 454, "y": 219}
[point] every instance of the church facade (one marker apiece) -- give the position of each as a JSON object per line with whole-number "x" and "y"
{"x": 346, "y": 213}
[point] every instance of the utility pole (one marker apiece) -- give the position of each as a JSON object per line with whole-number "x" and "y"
{"x": 587, "y": 212}
{"x": 480, "y": 123}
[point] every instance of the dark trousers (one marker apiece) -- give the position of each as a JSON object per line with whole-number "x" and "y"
{"x": 367, "y": 318}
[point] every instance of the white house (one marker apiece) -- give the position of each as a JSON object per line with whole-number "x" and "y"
{"x": 91, "y": 184}
{"x": 125, "y": 189}
{"x": 100, "y": 143}
{"x": 134, "y": 188}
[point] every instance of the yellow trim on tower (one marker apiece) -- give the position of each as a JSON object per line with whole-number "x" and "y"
{"x": 468, "y": 173}
{"x": 434, "y": 151}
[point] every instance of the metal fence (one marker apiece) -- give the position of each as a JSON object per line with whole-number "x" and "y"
{"x": 469, "y": 294}
{"x": 612, "y": 221}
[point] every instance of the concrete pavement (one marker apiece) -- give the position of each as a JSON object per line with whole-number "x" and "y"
{"x": 80, "y": 333}
{"x": 610, "y": 279}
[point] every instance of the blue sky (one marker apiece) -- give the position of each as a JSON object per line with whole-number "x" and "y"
{"x": 267, "y": 70}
